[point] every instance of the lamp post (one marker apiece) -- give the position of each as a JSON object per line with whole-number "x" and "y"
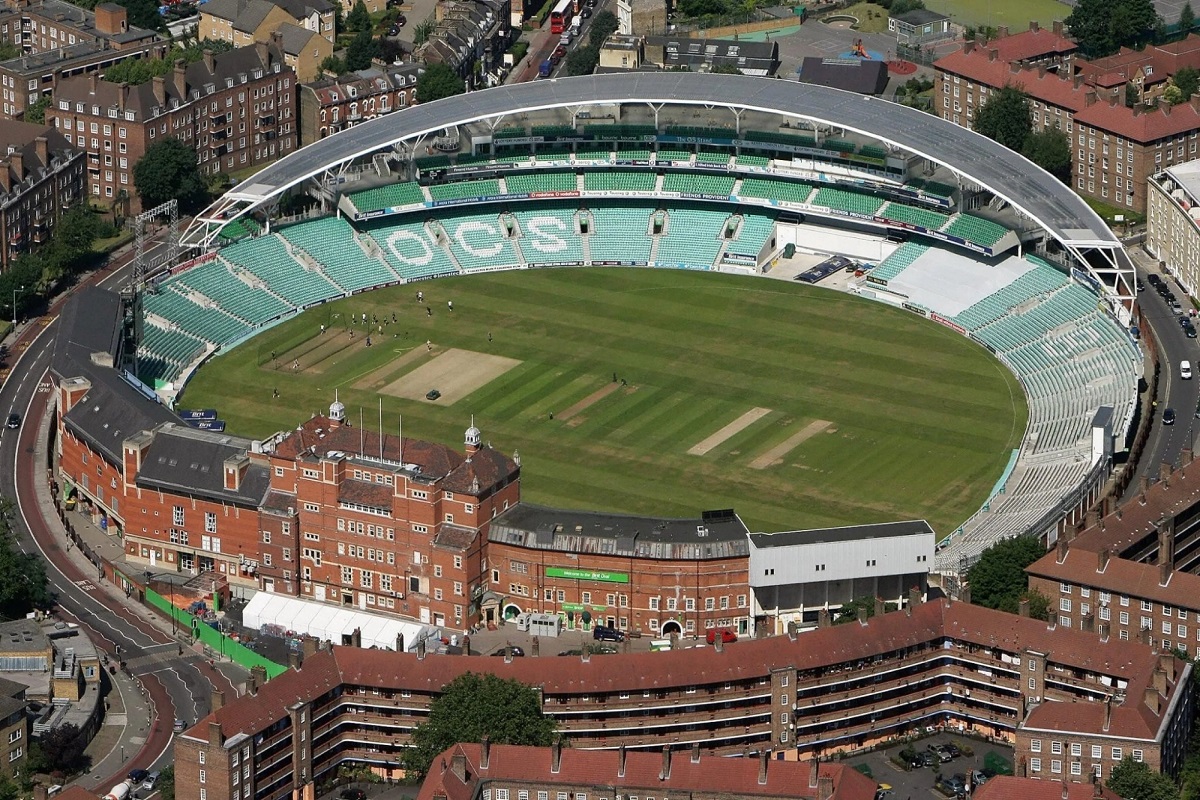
{"x": 21, "y": 289}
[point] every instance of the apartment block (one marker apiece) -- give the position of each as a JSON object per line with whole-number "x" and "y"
{"x": 41, "y": 176}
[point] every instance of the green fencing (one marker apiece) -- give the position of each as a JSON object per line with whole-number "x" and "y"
{"x": 214, "y": 639}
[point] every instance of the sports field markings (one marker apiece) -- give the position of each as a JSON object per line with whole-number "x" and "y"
{"x": 775, "y": 454}
{"x": 454, "y": 373}
{"x": 591, "y": 399}
{"x": 732, "y": 429}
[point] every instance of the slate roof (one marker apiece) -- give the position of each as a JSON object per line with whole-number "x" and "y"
{"x": 920, "y": 16}
{"x": 849, "y": 533}
{"x": 709, "y": 775}
{"x": 21, "y": 136}
{"x": 294, "y": 38}
{"x": 113, "y": 409}
{"x": 189, "y": 461}
{"x": 863, "y": 76}
{"x": 541, "y": 528}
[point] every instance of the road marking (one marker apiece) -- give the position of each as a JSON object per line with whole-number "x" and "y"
{"x": 87, "y": 586}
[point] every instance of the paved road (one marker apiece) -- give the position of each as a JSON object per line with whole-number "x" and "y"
{"x": 170, "y": 680}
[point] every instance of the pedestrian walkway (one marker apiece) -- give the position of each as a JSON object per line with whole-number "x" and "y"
{"x": 127, "y": 719}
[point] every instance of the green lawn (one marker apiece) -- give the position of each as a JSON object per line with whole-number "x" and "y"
{"x": 923, "y": 420}
{"x": 1016, "y": 14}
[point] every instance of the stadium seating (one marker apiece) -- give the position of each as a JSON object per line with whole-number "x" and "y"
{"x": 553, "y": 130}
{"x": 873, "y": 151}
{"x": 780, "y": 191}
{"x": 931, "y": 187}
{"x": 633, "y": 154}
{"x": 753, "y": 233}
{"x": 981, "y": 231}
{"x": 465, "y": 190}
{"x": 693, "y": 237}
{"x": 701, "y": 132}
{"x": 620, "y": 131}
{"x": 708, "y": 157}
{"x": 591, "y": 153}
{"x": 390, "y": 196}
{"x": 852, "y": 202}
{"x": 619, "y": 181}
{"x": 666, "y": 155}
{"x": 839, "y": 145}
{"x": 477, "y": 242}
{"x": 548, "y": 234}
{"x": 930, "y": 220}
{"x": 1032, "y": 283}
{"x": 217, "y": 283}
{"x": 239, "y": 229}
{"x": 509, "y": 133}
{"x": 411, "y": 250}
{"x": 900, "y": 259}
{"x": 790, "y": 139}
{"x": 620, "y": 234}
{"x": 207, "y": 322}
{"x": 547, "y": 153}
{"x": 172, "y": 346}
{"x": 698, "y": 183}
{"x": 267, "y": 259}
{"x": 531, "y": 182}
{"x": 753, "y": 161}
{"x": 330, "y": 241}
{"x": 469, "y": 160}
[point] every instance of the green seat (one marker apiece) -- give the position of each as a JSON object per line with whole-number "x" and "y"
{"x": 330, "y": 241}
{"x": 390, "y": 196}
{"x": 465, "y": 190}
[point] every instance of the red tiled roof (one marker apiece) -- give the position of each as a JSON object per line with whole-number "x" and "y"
{"x": 1164, "y": 60}
{"x": 1047, "y": 87}
{"x": 1120, "y": 576}
{"x": 1142, "y": 126}
{"x": 1030, "y": 44}
{"x": 709, "y": 774}
{"x": 375, "y": 495}
{"x": 929, "y": 622}
{"x": 1006, "y": 787}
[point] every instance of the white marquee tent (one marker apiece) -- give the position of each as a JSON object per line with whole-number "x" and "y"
{"x": 331, "y": 623}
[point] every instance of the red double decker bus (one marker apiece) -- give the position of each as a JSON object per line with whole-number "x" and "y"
{"x": 560, "y": 16}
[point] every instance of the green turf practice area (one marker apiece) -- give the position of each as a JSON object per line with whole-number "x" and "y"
{"x": 798, "y": 407}
{"x": 1016, "y": 14}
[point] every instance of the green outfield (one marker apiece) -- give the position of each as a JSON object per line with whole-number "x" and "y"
{"x": 798, "y": 407}
{"x": 1016, "y": 14}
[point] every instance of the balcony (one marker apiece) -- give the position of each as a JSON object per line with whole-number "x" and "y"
{"x": 219, "y": 120}
{"x": 266, "y": 119}
{"x": 220, "y": 134}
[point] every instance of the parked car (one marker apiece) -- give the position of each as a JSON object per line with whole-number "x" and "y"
{"x": 955, "y": 785}
{"x": 513, "y": 649}
{"x": 603, "y": 633}
{"x": 727, "y": 635}
{"x": 138, "y": 775}
{"x": 940, "y": 752}
{"x": 179, "y": 726}
{"x": 978, "y": 778}
{"x": 151, "y": 779}
{"x": 952, "y": 749}
{"x": 353, "y": 794}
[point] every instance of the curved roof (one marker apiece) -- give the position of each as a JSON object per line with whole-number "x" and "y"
{"x": 1007, "y": 174}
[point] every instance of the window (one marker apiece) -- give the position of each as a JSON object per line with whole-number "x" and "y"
{"x": 1035, "y": 745}
{"x": 1076, "y": 749}
{"x": 210, "y": 521}
{"x": 177, "y": 515}
{"x": 1055, "y": 766}
{"x": 1035, "y": 765}
{"x": 1116, "y": 754}
{"x": 1056, "y": 748}
{"x": 1064, "y": 588}
{"x": 654, "y": 604}
{"x": 1097, "y": 751}
{"x": 1064, "y": 604}
{"x": 1137, "y": 755}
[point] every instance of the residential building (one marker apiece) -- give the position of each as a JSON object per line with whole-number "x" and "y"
{"x": 237, "y": 109}
{"x": 41, "y": 176}
{"x": 843, "y": 687}
{"x": 329, "y": 105}
{"x": 1127, "y": 574}
{"x": 1148, "y": 70}
{"x": 244, "y": 22}
{"x": 58, "y": 40}
{"x": 467, "y": 771}
{"x": 470, "y": 37}
{"x": 1010, "y": 787}
{"x": 1173, "y": 224}
{"x": 1116, "y": 147}
{"x": 304, "y": 50}
{"x": 14, "y": 728}
{"x": 641, "y": 17}
{"x": 919, "y": 26}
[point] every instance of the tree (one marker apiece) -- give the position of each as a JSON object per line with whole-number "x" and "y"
{"x": 997, "y": 579}
{"x": 9, "y": 50}
{"x": 1050, "y": 149}
{"x": 389, "y": 51}
{"x": 143, "y": 14}
{"x": 904, "y": 6}
{"x": 604, "y": 25}
{"x": 1102, "y": 27}
{"x": 438, "y": 81}
{"x": 36, "y": 113}
{"x": 849, "y": 611}
{"x": 703, "y": 8}
{"x": 62, "y": 748}
{"x": 1187, "y": 19}
{"x": 1135, "y": 779}
{"x": 168, "y": 171}
{"x": 725, "y": 69}
{"x": 1005, "y": 117}
{"x": 361, "y": 51}
{"x": 583, "y": 60}
{"x": 1187, "y": 80}
{"x": 423, "y": 31}
{"x": 166, "y": 783}
{"x": 359, "y": 19}
{"x": 472, "y": 705}
{"x": 333, "y": 64}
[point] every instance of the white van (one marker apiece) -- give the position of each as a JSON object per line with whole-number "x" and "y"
{"x": 1185, "y": 370}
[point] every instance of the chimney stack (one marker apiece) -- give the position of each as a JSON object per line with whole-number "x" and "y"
{"x": 218, "y": 700}
{"x": 1151, "y": 698}
{"x": 823, "y": 618}
{"x": 556, "y": 755}
{"x": 399, "y": 642}
{"x": 421, "y": 650}
{"x": 1063, "y": 547}
{"x": 695, "y": 752}
{"x": 825, "y": 787}
{"x": 180, "y": 78}
{"x": 93, "y": 82}
{"x": 862, "y": 616}
{"x": 159, "y": 85}
{"x": 1159, "y": 677}
{"x": 665, "y": 773}
{"x": 485, "y": 751}
{"x": 17, "y": 160}
{"x": 1102, "y": 559}
{"x": 42, "y": 147}
{"x": 969, "y": 46}
{"x": 813, "y": 769}
{"x": 1107, "y": 713}
{"x": 1164, "y": 471}
{"x": 1033, "y": 26}
{"x": 1058, "y": 27}
{"x": 914, "y": 596}
{"x": 763, "y": 758}
{"x": 621, "y": 761}
{"x": 718, "y": 641}
{"x": 356, "y": 637}
{"x": 210, "y": 63}
{"x": 1023, "y": 607}
{"x": 880, "y": 606}
{"x": 458, "y": 765}
{"x": 1166, "y": 662}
